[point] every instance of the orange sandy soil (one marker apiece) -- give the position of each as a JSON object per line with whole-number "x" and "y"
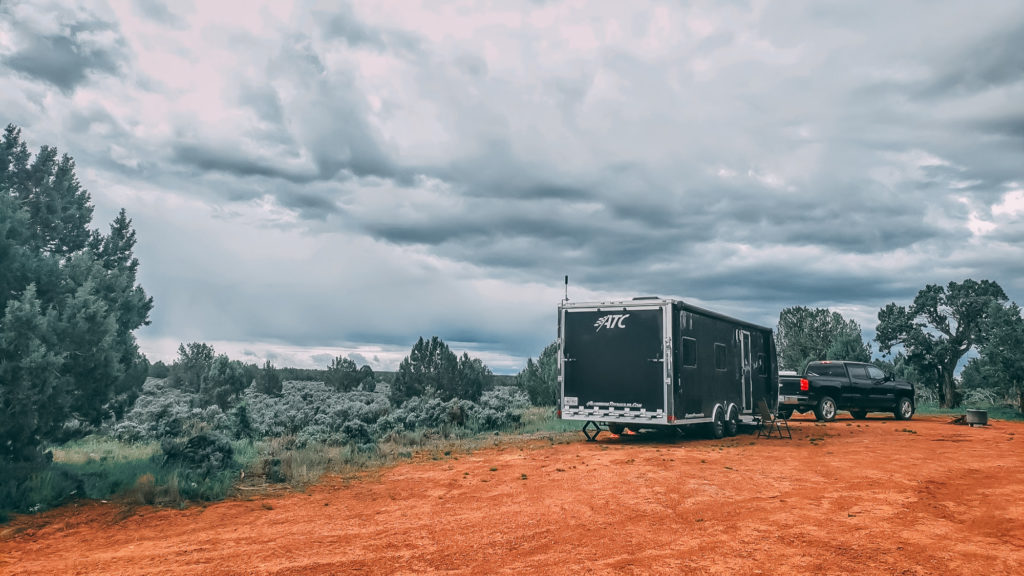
{"x": 854, "y": 497}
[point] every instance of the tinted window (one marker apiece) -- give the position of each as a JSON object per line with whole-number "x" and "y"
{"x": 689, "y": 352}
{"x": 762, "y": 366}
{"x": 719, "y": 356}
{"x": 857, "y": 372}
{"x": 819, "y": 369}
{"x": 875, "y": 373}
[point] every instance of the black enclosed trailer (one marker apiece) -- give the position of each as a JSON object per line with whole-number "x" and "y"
{"x": 654, "y": 362}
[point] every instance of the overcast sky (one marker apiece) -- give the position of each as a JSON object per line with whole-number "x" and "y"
{"x": 309, "y": 181}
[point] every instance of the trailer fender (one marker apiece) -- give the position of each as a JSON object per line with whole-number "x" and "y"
{"x": 714, "y": 411}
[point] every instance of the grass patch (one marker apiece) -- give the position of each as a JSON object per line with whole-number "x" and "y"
{"x": 102, "y": 468}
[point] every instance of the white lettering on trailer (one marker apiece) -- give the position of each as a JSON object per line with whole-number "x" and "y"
{"x": 611, "y": 321}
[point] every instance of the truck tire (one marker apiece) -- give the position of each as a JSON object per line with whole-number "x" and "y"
{"x": 904, "y": 409}
{"x": 732, "y": 423}
{"x": 859, "y": 414}
{"x": 717, "y": 426}
{"x": 826, "y": 409}
{"x": 616, "y": 428}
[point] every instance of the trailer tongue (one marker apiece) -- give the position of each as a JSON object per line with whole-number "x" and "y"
{"x": 651, "y": 363}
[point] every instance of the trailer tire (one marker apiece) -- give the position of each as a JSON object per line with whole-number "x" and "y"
{"x": 826, "y": 409}
{"x": 717, "y": 425}
{"x": 732, "y": 423}
{"x": 616, "y": 428}
{"x": 786, "y": 413}
{"x": 859, "y": 414}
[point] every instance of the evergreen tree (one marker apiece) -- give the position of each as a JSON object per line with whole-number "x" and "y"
{"x": 430, "y": 369}
{"x": 472, "y": 375}
{"x": 224, "y": 381}
{"x": 939, "y": 328}
{"x": 808, "y": 334}
{"x": 192, "y": 367}
{"x": 540, "y": 379}
{"x": 69, "y": 303}
{"x": 1002, "y": 351}
{"x": 33, "y": 392}
{"x": 268, "y": 380}
{"x": 343, "y": 375}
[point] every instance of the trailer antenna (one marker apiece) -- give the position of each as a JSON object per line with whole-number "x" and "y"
{"x": 566, "y": 299}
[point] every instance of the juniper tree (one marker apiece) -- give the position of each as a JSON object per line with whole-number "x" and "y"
{"x": 69, "y": 303}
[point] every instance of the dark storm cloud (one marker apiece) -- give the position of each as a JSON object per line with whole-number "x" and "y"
{"x": 64, "y": 61}
{"x": 329, "y": 115}
{"x": 234, "y": 162}
{"x": 751, "y": 158}
{"x": 992, "y": 62}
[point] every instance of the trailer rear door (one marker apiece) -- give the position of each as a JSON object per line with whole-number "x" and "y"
{"x": 614, "y": 359}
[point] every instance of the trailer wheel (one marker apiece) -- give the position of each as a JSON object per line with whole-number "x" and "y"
{"x": 616, "y": 428}
{"x": 826, "y": 409}
{"x": 732, "y": 423}
{"x": 786, "y": 413}
{"x": 717, "y": 426}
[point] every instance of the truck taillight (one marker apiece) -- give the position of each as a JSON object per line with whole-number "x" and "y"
{"x": 804, "y": 385}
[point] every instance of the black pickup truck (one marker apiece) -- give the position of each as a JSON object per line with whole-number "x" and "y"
{"x": 828, "y": 386}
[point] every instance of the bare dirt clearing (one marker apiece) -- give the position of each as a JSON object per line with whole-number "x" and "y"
{"x": 856, "y": 497}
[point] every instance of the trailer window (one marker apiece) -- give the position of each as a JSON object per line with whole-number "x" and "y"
{"x": 762, "y": 366}
{"x": 689, "y": 353}
{"x": 719, "y": 356}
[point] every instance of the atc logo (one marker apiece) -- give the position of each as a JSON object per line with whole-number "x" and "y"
{"x": 611, "y": 321}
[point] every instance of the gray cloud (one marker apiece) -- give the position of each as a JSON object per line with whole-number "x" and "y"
{"x": 64, "y": 60}
{"x": 159, "y": 12}
{"x": 234, "y": 162}
{"x": 374, "y": 178}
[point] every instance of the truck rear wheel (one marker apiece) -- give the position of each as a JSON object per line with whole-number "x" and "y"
{"x": 904, "y": 409}
{"x": 826, "y": 409}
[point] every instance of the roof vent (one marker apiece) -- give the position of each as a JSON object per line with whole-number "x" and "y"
{"x": 647, "y": 298}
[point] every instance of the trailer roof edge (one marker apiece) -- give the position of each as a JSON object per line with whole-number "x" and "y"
{"x": 660, "y": 301}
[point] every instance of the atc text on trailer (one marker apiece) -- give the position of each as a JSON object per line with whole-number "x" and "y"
{"x": 653, "y": 362}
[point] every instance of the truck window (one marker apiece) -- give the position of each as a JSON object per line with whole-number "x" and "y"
{"x": 719, "y": 356}
{"x": 830, "y": 370}
{"x": 875, "y": 373}
{"x": 762, "y": 366}
{"x": 689, "y": 353}
{"x": 857, "y": 372}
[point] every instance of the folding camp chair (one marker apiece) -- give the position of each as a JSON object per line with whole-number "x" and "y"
{"x": 771, "y": 422}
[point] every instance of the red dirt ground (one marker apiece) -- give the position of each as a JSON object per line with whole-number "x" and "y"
{"x": 854, "y": 497}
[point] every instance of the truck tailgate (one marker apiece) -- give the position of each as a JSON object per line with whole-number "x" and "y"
{"x": 790, "y": 385}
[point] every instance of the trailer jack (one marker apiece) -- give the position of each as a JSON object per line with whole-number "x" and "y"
{"x": 586, "y": 430}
